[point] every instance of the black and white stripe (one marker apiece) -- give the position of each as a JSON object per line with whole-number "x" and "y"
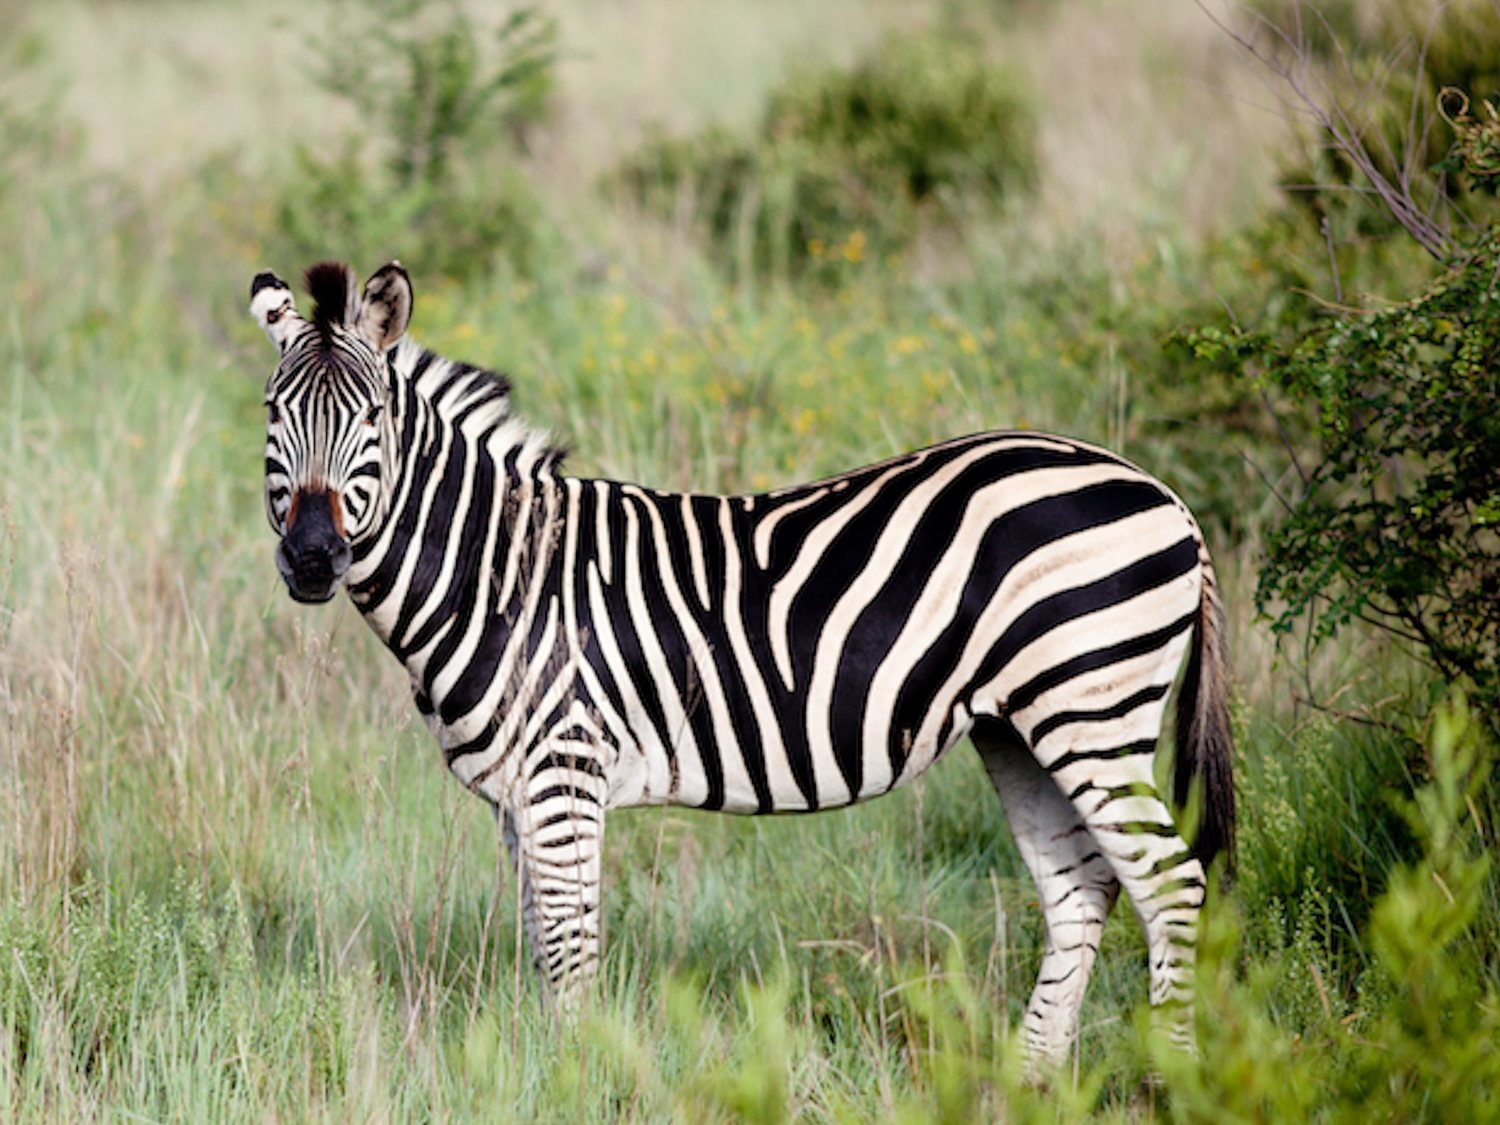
{"x": 578, "y": 645}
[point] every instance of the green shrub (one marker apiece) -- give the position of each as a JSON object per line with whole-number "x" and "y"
{"x": 444, "y": 114}
{"x": 1398, "y": 520}
{"x": 846, "y": 163}
{"x": 920, "y": 117}
{"x": 1415, "y": 1040}
{"x": 1336, "y": 238}
{"x": 457, "y": 226}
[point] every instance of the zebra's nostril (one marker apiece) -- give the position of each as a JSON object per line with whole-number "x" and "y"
{"x": 312, "y": 565}
{"x": 315, "y": 565}
{"x": 312, "y": 573}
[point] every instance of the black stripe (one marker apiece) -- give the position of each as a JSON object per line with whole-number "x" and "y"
{"x": 1111, "y": 753}
{"x": 1023, "y": 696}
{"x": 1118, "y": 711}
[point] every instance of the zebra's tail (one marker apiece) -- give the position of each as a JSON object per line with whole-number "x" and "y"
{"x": 1205, "y": 743}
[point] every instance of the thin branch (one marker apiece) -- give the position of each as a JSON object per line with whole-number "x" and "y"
{"x": 1359, "y": 717}
{"x": 1334, "y": 306}
{"x": 1325, "y": 110}
{"x": 1286, "y": 443}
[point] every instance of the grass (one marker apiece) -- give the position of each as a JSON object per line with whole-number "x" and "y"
{"x": 235, "y": 881}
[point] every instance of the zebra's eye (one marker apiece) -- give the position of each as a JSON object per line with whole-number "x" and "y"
{"x": 273, "y": 412}
{"x": 372, "y": 415}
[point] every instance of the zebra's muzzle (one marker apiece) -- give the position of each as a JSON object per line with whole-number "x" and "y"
{"x": 313, "y": 556}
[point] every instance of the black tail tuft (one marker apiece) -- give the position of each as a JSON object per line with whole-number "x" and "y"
{"x": 1205, "y": 742}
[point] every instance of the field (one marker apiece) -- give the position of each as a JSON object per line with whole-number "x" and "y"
{"x": 236, "y": 882}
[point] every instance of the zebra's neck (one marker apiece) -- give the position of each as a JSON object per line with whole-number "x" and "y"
{"x": 467, "y": 490}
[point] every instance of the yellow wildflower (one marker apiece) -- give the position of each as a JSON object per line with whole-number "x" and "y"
{"x": 804, "y": 421}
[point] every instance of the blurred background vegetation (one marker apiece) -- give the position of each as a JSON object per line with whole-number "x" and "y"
{"x": 727, "y": 246}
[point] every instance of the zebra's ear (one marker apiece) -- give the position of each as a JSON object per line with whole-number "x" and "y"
{"x": 272, "y": 306}
{"x": 386, "y": 310}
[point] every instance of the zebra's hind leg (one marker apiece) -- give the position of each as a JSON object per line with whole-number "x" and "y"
{"x": 1114, "y": 792}
{"x": 1075, "y": 884}
{"x": 555, "y": 838}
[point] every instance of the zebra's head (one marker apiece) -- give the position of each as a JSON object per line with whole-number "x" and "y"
{"x": 329, "y": 432}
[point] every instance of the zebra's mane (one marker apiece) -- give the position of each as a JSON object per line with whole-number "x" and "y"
{"x": 479, "y": 401}
{"x": 334, "y": 290}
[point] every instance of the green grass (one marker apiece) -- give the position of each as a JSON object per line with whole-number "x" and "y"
{"x": 236, "y": 882}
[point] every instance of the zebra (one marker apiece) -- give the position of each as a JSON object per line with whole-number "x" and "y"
{"x": 577, "y": 645}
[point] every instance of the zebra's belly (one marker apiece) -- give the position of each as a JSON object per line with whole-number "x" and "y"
{"x": 784, "y": 773}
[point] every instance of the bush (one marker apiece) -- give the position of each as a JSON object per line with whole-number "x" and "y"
{"x": 1284, "y": 278}
{"x": 339, "y": 207}
{"x": 445, "y": 116}
{"x": 1417, "y": 1043}
{"x": 32, "y": 131}
{"x": 848, "y": 162}
{"x": 1398, "y": 520}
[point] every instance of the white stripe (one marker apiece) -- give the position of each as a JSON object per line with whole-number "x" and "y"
{"x": 767, "y": 526}
{"x": 695, "y": 552}
{"x": 604, "y": 549}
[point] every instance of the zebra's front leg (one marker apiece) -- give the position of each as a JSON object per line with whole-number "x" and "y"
{"x": 555, "y": 834}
